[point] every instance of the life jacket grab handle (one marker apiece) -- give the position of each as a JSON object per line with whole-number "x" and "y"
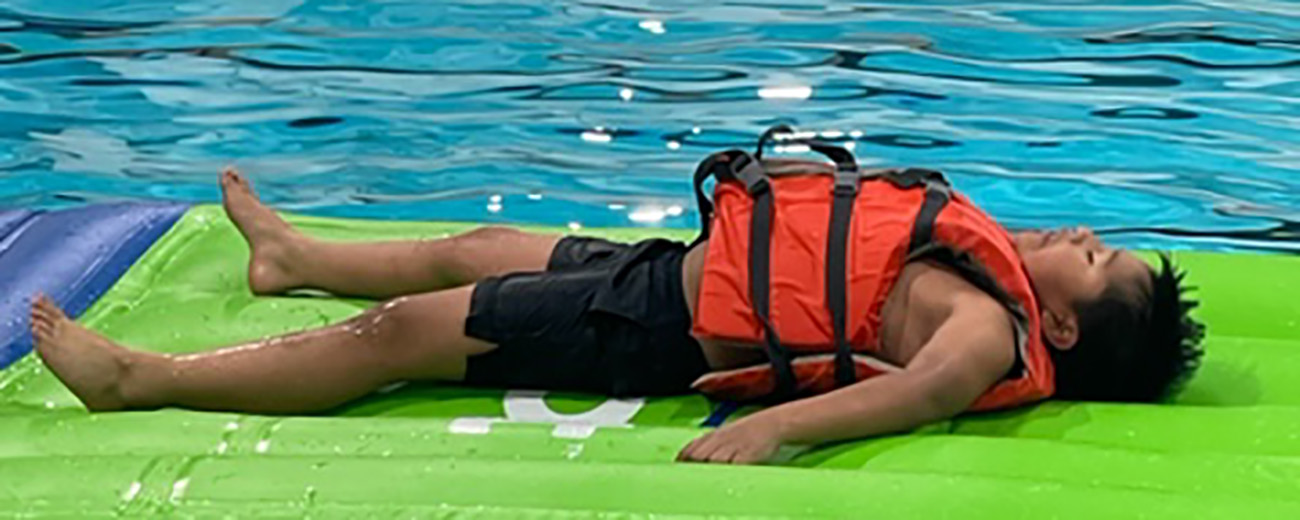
{"x": 843, "y": 159}
{"x": 748, "y": 169}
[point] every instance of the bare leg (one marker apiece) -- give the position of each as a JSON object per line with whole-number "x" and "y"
{"x": 411, "y": 338}
{"x": 283, "y": 258}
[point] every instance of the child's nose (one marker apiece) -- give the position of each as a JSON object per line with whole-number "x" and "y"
{"x": 1084, "y": 235}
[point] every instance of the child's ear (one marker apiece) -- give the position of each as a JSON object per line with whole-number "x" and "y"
{"x": 1060, "y": 328}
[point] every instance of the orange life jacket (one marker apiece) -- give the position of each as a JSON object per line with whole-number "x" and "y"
{"x": 827, "y": 248}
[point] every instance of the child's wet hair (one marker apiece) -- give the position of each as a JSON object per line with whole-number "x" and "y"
{"x": 1136, "y": 344}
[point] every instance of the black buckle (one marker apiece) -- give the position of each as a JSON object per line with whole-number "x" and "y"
{"x": 940, "y": 186}
{"x": 847, "y": 182}
{"x": 751, "y": 172}
{"x": 913, "y": 177}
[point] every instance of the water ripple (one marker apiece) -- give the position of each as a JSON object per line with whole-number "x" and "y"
{"x": 1163, "y": 123}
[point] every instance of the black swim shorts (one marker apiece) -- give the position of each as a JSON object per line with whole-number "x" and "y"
{"x": 603, "y": 317}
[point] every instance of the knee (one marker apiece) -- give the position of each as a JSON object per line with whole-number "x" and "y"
{"x": 471, "y": 252}
{"x": 489, "y": 234}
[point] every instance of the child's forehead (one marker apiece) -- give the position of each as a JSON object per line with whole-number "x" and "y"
{"x": 1130, "y": 269}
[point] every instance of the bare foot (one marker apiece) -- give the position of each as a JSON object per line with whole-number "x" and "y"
{"x": 274, "y": 243}
{"x": 89, "y": 364}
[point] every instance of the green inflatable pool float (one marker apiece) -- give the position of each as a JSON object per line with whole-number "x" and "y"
{"x": 1227, "y": 447}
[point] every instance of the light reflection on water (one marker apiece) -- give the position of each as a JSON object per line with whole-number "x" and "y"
{"x": 1163, "y": 123}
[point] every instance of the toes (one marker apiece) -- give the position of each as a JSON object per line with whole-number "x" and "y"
{"x": 46, "y": 309}
{"x": 42, "y": 332}
{"x": 42, "y": 329}
{"x": 39, "y": 311}
{"x": 230, "y": 177}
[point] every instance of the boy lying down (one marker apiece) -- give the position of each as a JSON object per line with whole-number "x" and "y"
{"x": 890, "y": 302}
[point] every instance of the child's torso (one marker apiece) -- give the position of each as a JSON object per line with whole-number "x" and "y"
{"x": 918, "y": 303}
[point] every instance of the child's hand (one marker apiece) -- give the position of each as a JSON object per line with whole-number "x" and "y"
{"x": 748, "y": 441}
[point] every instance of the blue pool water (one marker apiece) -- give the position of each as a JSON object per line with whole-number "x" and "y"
{"x": 1166, "y": 123}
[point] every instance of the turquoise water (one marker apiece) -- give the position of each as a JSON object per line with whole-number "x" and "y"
{"x": 1161, "y": 123}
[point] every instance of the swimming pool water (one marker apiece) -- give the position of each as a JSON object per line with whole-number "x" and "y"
{"x": 1161, "y": 123}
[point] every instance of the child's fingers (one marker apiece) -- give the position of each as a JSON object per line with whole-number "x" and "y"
{"x": 700, "y": 449}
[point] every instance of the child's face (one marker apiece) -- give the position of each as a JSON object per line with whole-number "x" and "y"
{"x": 1068, "y": 266}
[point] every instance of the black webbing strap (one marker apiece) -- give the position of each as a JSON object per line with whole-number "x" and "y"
{"x": 741, "y": 166}
{"x": 705, "y": 206}
{"x": 937, "y": 194}
{"x": 770, "y": 135}
{"x": 748, "y": 169}
{"x": 847, "y": 178}
{"x": 728, "y": 165}
{"x": 760, "y": 273}
{"x": 844, "y": 193}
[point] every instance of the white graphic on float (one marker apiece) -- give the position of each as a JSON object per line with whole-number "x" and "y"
{"x": 529, "y": 406}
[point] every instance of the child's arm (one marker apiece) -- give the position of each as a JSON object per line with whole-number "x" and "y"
{"x": 966, "y": 355}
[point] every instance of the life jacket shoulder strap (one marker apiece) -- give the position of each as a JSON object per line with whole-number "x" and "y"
{"x": 937, "y": 194}
{"x": 844, "y": 193}
{"x": 740, "y": 166}
{"x": 730, "y": 165}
